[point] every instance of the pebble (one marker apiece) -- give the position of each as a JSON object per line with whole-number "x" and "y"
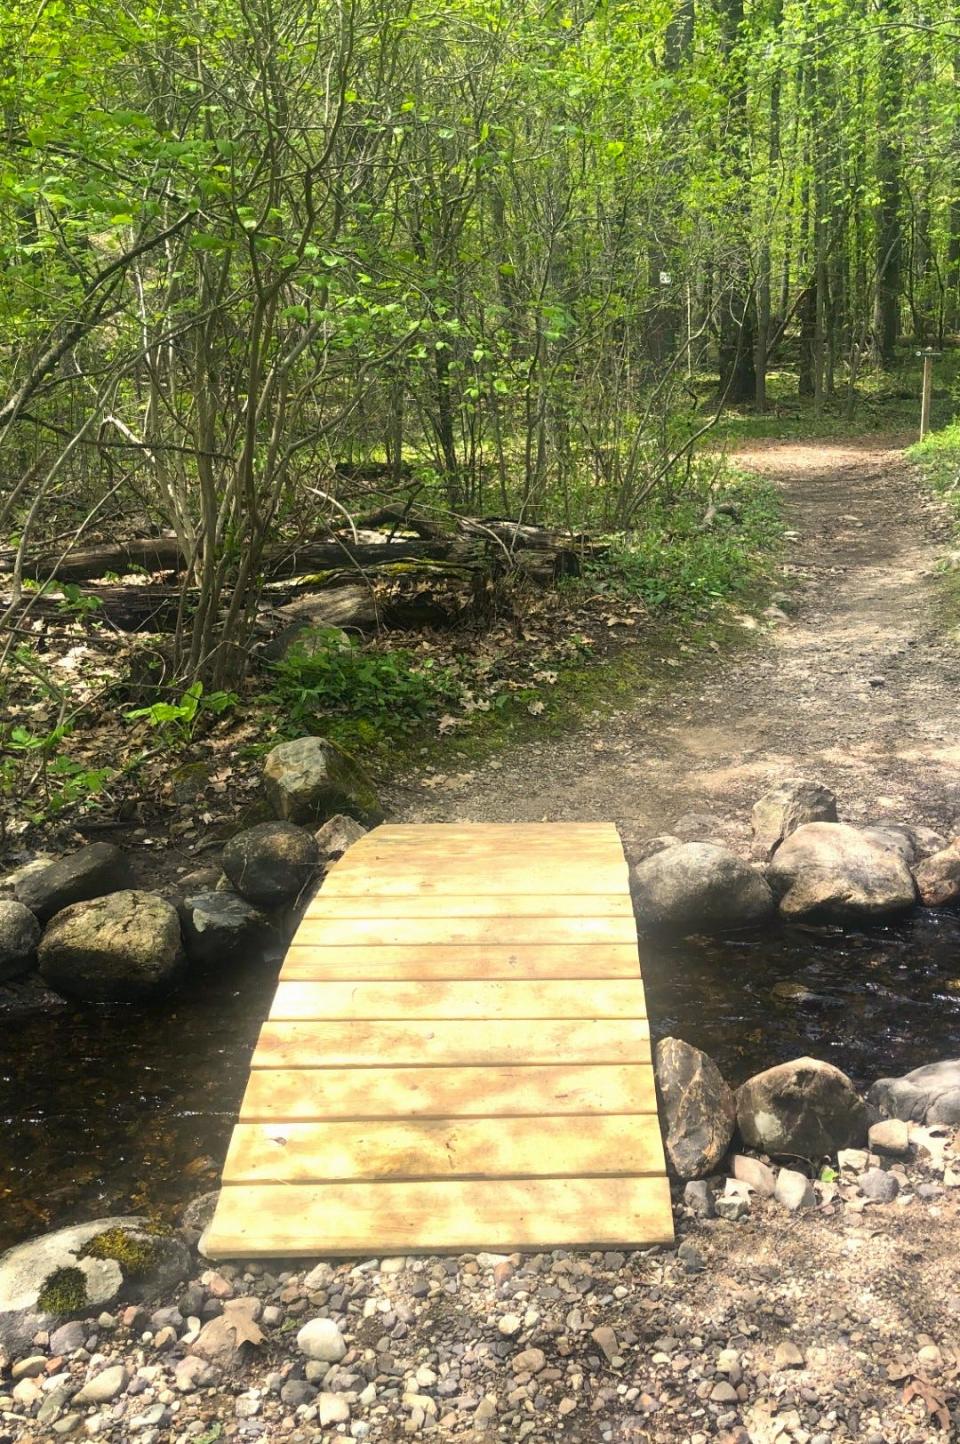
{"x": 788, "y": 1356}
{"x": 754, "y": 1173}
{"x": 509, "y": 1325}
{"x": 70, "y": 1337}
{"x": 529, "y": 1361}
{"x": 104, "y": 1386}
{"x": 879, "y": 1186}
{"x": 29, "y": 1368}
{"x": 698, "y": 1196}
{"x": 794, "y": 1190}
{"x": 724, "y": 1393}
{"x": 322, "y": 1339}
{"x": 890, "y": 1137}
{"x": 732, "y": 1207}
{"x": 605, "y": 1338}
{"x": 332, "y": 1409}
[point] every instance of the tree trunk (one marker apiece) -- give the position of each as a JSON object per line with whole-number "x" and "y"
{"x": 888, "y": 229}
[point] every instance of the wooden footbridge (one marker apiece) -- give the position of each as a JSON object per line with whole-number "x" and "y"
{"x": 457, "y": 1057}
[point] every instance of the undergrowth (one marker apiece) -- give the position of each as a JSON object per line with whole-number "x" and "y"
{"x": 938, "y": 457}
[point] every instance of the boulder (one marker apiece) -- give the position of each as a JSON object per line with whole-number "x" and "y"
{"x": 831, "y": 872}
{"x": 309, "y": 780}
{"x": 19, "y": 936}
{"x": 938, "y": 878}
{"x": 697, "y": 1109}
{"x": 271, "y": 864}
{"x": 82, "y": 1270}
{"x": 113, "y": 949}
{"x": 791, "y": 804}
{"x": 896, "y": 838}
{"x": 219, "y": 927}
{"x": 335, "y": 836}
{"x": 927, "y": 1095}
{"x": 93, "y": 871}
{"x": 699, "y": 887}
{"x": 804, "y": 1109}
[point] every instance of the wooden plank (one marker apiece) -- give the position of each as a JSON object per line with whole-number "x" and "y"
{"x": 389, "y": 932}
{"x": 436, "y": 1043}
{"x": 502, "y": 960}
{"x": 463, "y": 877}
{"x": 442, "y": 1148}
{"x": 312, "y": 1094}
{"x": 468, "y": 905}
{"x": 481, "y": 999}
{"x": 282, "y": 1220}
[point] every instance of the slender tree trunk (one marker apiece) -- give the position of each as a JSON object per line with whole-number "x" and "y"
{"x": 888, "y": 226}
{"x": 773, "y": 160}
{"x": 738, "y": 379}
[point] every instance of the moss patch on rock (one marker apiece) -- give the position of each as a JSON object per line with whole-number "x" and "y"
{"x": 64, "y": 1292}
{"x": 135, "y": 1254}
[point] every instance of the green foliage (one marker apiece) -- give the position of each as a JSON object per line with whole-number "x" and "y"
{"x": 178, "y": 720}
{"x": 77, "y": 602}
{"x": 698, "y": 550}
{"x": 938, "y": 458}
{"x": 353, "y": 695}
{"x": 36, "y": 773}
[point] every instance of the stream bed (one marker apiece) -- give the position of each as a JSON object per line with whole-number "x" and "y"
{"x": 119, "y": 1109}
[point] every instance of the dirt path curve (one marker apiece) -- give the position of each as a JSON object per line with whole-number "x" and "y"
{"x": 859, "y": 688}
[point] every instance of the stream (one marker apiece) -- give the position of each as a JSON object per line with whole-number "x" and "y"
{"x": 118, "y": 1109}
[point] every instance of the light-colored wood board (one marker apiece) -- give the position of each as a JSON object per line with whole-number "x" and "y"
{"x": 389, "y": 932}
{"x": 283, "y": 1220}
{"x": 443, "y": 1148}
{"x": 462, "y": 961}
{"x": 468, "y": 905}
{"x": 313, "y": 1094}
{"x": 548, "y": 838}
{"x": 484, "y": 998}
{"x": 443, "y": 1043}
{"x": 461, "y": 877}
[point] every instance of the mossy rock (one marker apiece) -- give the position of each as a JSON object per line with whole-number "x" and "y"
{"x": 80, "y": 1270}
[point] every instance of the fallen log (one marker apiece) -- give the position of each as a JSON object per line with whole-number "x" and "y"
{"x": 163, "y": 554}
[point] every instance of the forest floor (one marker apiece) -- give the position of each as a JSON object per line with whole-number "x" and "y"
{"x": 857, "y": 687}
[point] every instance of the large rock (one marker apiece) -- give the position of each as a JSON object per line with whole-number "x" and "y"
{"x": 927, "y": 1095}
{"x": 310, "y": 779}
{"x": 271, "y": 864}
{"x": 699, "y": 887}
{"x": 81, "y": 1270}
{"x": 113, "y": 949}
{"x": 220, "y": 927}
{"x": 697, "y": 1108}
{"x": 804, "y": 1109}
{"x": 938, "y": 878}
{"x": 791, "y": 804}
{"x": 91, "y": 872}
{"x": 832, "y": 872}
{"x": 19, "y": 936}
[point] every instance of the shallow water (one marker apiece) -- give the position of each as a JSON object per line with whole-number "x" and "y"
{"x": 875, "y": 1003}
{"x": 106, "y": 1109}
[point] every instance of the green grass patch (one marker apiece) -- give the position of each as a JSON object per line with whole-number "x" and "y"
{"x": 938, "y": 458}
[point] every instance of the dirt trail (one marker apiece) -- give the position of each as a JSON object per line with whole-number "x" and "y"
{"x": 858, "y": 688}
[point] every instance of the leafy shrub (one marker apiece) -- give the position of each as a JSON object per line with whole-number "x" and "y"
{"x": 179, "y": 719}
{"x": 348, "y": 692}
